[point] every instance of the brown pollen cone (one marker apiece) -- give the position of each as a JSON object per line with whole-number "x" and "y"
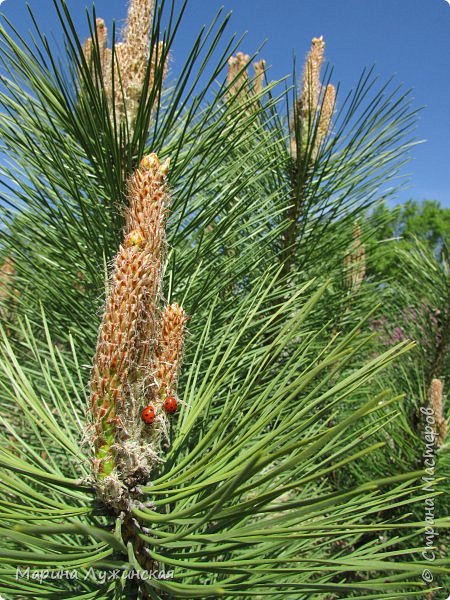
{"x": 307, "y": 103}
{"x": 355, "y": 261}
{"x": 326, "y": 114}
{"x": 259, "y": 68}
{"x": 237, "y": 76}
{"x": 7, "y": 271}
{"x": 309, "y": 97}
{"x": 437, "y": 404}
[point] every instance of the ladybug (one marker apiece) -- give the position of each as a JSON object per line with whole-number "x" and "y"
{"x": 170, "y": 404}
{"x": 148, "y": 414}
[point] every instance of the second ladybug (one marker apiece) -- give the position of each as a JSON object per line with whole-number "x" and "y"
{"x": 170, "y": 404}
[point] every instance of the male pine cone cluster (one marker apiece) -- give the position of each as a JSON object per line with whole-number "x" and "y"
{"x": 124, "y": 71}
{"x": 238, "y": 78}
{"x": 314, "y": 107}
{"x": 139, "y": 348}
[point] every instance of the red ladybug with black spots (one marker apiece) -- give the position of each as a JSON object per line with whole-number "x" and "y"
{"x": 148, "y": 414}
{"x": 170, "y": 404}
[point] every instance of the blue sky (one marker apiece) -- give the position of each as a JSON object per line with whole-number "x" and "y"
{"x": 406, "y": 38}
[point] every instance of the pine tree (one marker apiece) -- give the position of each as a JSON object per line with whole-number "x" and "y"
{"x": 187, "y": 368}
